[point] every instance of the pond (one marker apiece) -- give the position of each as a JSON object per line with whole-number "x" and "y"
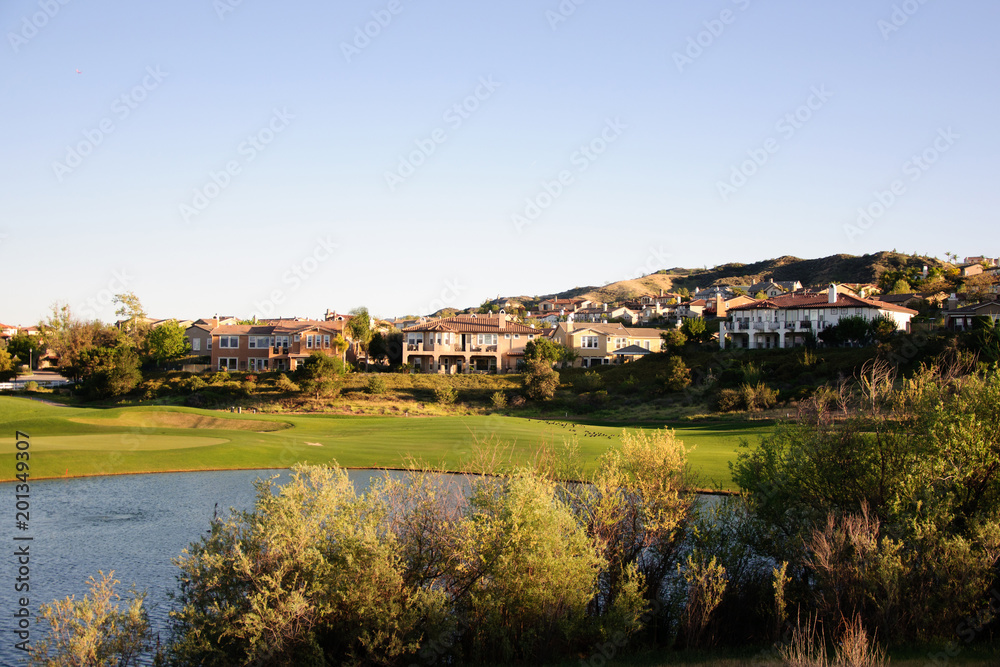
{"x": 132, "y": 524}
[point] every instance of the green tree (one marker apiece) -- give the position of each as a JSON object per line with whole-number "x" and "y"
{"x": 108, "y": 372}
{"x": 320, "y": 374}
{"x": 678, "y": 375}
{"x": 882, "y": 328}
{"x": 360, "y": 329}
{"x": 673, "y": 340}
{"x": 69, "y": 338}
{"x": 135, "y": 326}
{"x": 540, "y": 381}
{"x": 8, "y": 365}
{"x": 901, "y": 286}
{"x": 695, "y": 330}
{"x": 167, "y": 343}
{"x": 543, "y": 349}
{"x": 26, "y": 348}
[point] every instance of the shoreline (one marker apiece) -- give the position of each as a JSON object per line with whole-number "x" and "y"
{"x": 704, "y": 492}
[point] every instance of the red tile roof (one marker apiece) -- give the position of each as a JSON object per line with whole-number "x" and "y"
{"x": 473, "y": 324}
{"x": 821, "y": 300}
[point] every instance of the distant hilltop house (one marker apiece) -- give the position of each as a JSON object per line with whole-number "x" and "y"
{"x": 604, "y": 312}
{"x": 471, "y": 343}
{"x": 603, "y": 344}
{"x": 988, "y": 261}
{"x": 787, "y": 321}
{"x": 972, "y": 269}
{"x": 568, "y": 305}
{"x": 274, "y": 345}
{"x": 770, "y": 288}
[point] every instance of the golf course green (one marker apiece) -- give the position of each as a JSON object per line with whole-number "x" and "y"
{"x": 73, "y": 441}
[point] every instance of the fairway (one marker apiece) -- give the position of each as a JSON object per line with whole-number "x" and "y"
{"x": 68, "y": 441}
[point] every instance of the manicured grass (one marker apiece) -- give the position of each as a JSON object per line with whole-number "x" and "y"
{"x": 85, "y": 441}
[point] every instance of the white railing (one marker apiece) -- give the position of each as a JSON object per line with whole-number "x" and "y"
{"x": 20, "y": 384}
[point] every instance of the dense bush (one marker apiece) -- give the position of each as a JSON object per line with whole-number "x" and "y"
{"x": 540, "y": 381}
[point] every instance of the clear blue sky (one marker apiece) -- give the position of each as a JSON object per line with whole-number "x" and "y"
{"x": 183, "y": 85}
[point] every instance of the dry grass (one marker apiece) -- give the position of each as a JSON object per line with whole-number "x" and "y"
{"x": 170, "y": 419}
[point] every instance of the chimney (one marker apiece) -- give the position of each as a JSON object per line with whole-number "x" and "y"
{"x": 605, "y": 307}
{"x": 661, "y": 291}
{"x": 568, "y": 324}
{"x": 953, "y": 301}
{"x": 502, "y": 323}
{"x": 832, "y": 296}
{"x": 720, "y": 306}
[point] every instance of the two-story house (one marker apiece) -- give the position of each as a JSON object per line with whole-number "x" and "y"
{"x": 787, "y": 321}
{"x": 488, "y": 343}
{"x": 568, "y": 305}
{"x": 273, "y": 345}
{"x": 962, "y": 318}
{"x": 599, "y": 344}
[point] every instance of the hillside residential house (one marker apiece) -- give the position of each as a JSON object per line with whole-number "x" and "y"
{"x": 719, "y": 306}
{"x": 771, "y": 288}
{"x": 691, "y": 309}
{"x": 199, "y": 333}
{"x": 273, "y": 345}
{"x": 605, "y": 313}
{"x": 787, "y": 321}
{"x": 961, "y": 318}
{"x": 568, "y": 305}
{"x": 601, "y": 344}
{"x": 484, "y": 343}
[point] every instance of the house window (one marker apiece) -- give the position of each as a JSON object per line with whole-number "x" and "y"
{"x": 227, "y": 363}
{"x": 506, "y": 336}
{"x": 620, "y": 343}
{"x": 281, "y": 341}
{"x": 326, "y": 341}
{"x": 309, "y": 341}
{"x": 531, "y": 336}
{"x": 208, "y": 347}
{"x": 196, "y": 345}
{"x": 258, "y": 364}
{"x": 297, "y": 337}
{"x": 517, "y": 336}
{"x": 486, "y": 339}
{"x": 229, "y": 342}
{"x": 588, "y": 342}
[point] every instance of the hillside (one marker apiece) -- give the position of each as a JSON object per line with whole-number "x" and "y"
{"x": 822, "y": 271}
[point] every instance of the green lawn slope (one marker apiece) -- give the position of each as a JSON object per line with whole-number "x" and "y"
{"x": 70, "y": 441}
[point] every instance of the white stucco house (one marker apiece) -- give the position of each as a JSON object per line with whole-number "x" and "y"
{"x": 786, "y": 321}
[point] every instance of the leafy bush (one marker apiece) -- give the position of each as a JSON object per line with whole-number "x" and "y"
{"x": 728, "y": 400}
{"x": 499, "y": 400}
{"x": 283, "y": 383}
{"x": 31, "y": 385}
{"x": 589, "y": 381}
{"x": 540, "y": 381}
{"x": 758, "y": 396}
{"x": 376, "y": 385}
{"x": 94, "y": 630}
{"x": 445, "y": 395}
{"x": 678, "y": 376}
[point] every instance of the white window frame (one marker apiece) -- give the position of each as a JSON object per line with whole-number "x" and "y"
{"x": 326, "y": 340}
{"x": 225, "y": 342}
{"x": 590, "y": 342}
{"x": 196, "y": 345}
{"x": 309, "y": 341}
{"x": 228, "y": 363}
